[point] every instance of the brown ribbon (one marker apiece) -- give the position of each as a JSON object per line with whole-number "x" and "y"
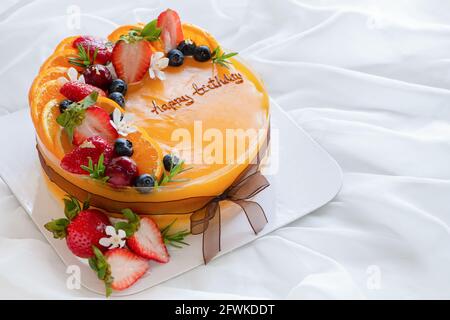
{"x": 249, "y": 183}
{"x": 206, "y": 219}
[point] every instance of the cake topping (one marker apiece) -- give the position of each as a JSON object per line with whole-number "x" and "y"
{"x": 221, "y": 58}
{"x": 84, "y": 156}
{"x": 171, "y": 31}
{"x": 123, "y": 123}
{"x": 76, "y": 90}
{"x": 95, "y": 50}
{"x": 176, "y": 58}
{"x": 202, "y": 53}
{"x": 64, "y": 104}
{"x": 118, "y": 98}
{"x": 131, "y": 59}
{"x": 144, "y": 183}
{"x": 158, "y": 63}
{"x": 121, "y": 172}
{"x": 187, "y": 47}
{"x": 96, "y": 122}
{"x": 72, "y": 75}
{"x": 123, "y": 147}
{"x": 118, "y": 85}
{"x": 98, "y": 75}
{"x": 96, "y": 171}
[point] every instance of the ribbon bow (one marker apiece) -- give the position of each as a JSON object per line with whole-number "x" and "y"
{"x": 207, "y": 220}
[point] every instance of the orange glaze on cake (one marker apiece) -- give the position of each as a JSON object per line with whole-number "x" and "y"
{"x": 240, "y": 104}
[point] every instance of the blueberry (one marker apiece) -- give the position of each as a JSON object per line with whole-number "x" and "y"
{"x": 176, "y": 58}
{"x": 63, "y": 105}
{"x": 118, "y": 85}
{"x": 187, "y": 47}
{"x": 117, "y": 97}
{"x": 202, "y": 53}
{"x": 144, "y": 183}
{"x": 170, "y": 161}
{"x": 123, "y": 147}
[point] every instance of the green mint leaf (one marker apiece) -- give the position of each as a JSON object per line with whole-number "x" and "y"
{"x": 149, "y": 28}
{"x": 96, "y": 171}
{"x": 222, "y": 58}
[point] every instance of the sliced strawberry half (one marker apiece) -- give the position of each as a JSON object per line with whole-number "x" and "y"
{"x": 96, "y": 122}
{"x": 126, "y": 267}
{"x": 92, "y": 148}
{"x": 147, "y": 241}
{"x": 171, "y": 31}
{"x": 77, "y": 91}
{"x": 131, "y": 60}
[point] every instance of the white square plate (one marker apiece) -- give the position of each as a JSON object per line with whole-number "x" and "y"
{"x": 303, "y": 178}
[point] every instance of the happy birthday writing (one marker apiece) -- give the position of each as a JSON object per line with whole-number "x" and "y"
{"x": 197, "y": 90}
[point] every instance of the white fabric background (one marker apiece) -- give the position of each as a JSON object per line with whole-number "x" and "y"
{"x": 368, "y": 80}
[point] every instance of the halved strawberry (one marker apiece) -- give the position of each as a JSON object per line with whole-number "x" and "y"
{"x": 131, "y": 60}
{"x": 126, "y": 267}
{"x": 96, "y": 122}
{"x": 102, "y": 48}
{"x": 171, "y": 31}
{"x": 147, "y": 241}
{"x": 76, "y": 91}
{"x": 92, "y": 148}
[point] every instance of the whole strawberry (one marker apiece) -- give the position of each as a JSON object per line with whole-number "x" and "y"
{"x": 82, "y": 228}
{"x": 90, "y": 151}
{"x": 76, "y": 91}
{"x": 95, "y": 47}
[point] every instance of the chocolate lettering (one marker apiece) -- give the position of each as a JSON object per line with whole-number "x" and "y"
{"x": 187, "y": 100}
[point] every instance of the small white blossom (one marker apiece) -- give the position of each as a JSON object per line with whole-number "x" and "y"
{"x": 111, "y": 69}
{"x": 72, "y": 75}
{"x": 115, "y": 239}
{"x": 157, "y": 63}
{"x": 123, "y": 126}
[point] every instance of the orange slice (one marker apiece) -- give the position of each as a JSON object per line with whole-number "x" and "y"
{"x": 108, "y": 104}
{"x": 122, "y": 30}
{"x": 67, "y": 44}
{"x": 49, "y": 130}
{"x": 43, "y": 77}
{"x": 147, "y": 153}
{"x": 46, "y": 92}
{"x": 199, "y": 36}
{"x": 60, "y": 59}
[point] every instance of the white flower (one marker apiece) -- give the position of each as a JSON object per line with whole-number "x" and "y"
{"x": 111, "y": 69}
{"x": 72, "y": 75}
{"x": 123, "y": 126}
{"x": 115, "y": 239}
{"x": 158, "y": 62}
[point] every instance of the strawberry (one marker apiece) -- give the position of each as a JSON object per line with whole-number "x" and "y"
{"x": 101, "y": 48}
{"x": 126, "y": 267}
{"x": 131, "y": 59}
{"x": 171, "y": 31}
{"x": 82, "y": 228}
{"x": 92, "y": 148}
{"x": 76, "y": 91}
{"x": 96, "y": 122}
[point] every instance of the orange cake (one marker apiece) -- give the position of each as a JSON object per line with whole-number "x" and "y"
{"x": 157, "y": 120}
